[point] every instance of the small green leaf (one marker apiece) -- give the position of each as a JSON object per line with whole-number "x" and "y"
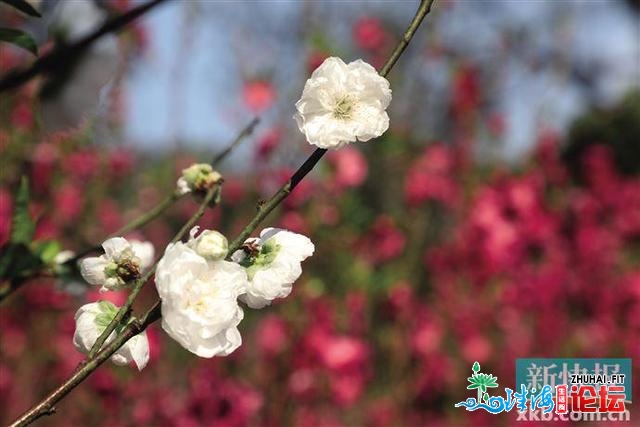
{"x": 19, "y": 38}
{"x": 22, "y": 227}
{"x": 23, "y": 6}
{"x": 476, "y": 367}
{"x": 47, "y": 250}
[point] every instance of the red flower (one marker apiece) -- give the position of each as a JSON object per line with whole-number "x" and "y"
{"x": 368, "y": 34}
{"x": 258, "y": 95}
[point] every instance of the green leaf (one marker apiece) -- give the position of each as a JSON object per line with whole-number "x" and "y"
{"x": 23, "y": 6}
{"x": 47, "y": 250}
{"x": 19, "y": 38}
{"x": 22, "y": 227}
{"x": 16, "y": 260}
{"x": 476, "y": 367}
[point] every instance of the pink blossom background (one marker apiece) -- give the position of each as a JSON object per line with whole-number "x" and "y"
{"x": 429, "y": 256}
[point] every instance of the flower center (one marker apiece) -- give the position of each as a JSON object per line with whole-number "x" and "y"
{"x": 344, "y": 108}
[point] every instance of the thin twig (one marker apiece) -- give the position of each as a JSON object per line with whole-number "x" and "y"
{"x": 248, "y": 130}
{"x": 46, "y": 406}
{"x": 64, "y": 55}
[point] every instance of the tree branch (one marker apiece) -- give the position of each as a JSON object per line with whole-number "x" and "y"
{"x": 61, "y": 56}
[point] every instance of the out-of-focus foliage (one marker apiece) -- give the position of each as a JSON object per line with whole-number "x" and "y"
{"x": 617, "y": 128}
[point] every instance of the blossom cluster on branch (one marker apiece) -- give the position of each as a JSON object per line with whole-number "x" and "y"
{"x": 198, "y": 287}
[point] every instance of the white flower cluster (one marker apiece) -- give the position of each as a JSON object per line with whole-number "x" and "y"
{"x": 198, "y": 286}
{"x": 200, "y": 290}
{"x": 122, "y": 263}
{"x": 92, "y": 319}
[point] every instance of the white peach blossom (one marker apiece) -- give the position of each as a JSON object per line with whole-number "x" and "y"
{"x": 199, "y": 300}
{"x": 92, "y": 319}
{"x": 122, "y": 262}
{"x": 273, "y": 264}
{"x": 343, "y": 103}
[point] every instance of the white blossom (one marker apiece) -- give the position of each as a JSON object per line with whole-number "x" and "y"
{"x": 145, "y": 252}
{"x": 342, "y": 103}
{"x": 92, "y": 319}
{"x": 121, "y": 263}
{"x": 197, "y": 177}
{"x": 273, "y": 264}
{"x": 199, "y": 300}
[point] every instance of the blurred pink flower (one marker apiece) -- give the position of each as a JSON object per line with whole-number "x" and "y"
{"x": 69, "y": 202}
{"x": 268, "y": 142}
{"x": 369, "y": 34}
{"x": 432, "y": 177}
{"x": 82, "y": 165}
{"x": 350, "y": 167}
{"x": 466, "y": 93}
{"x": 109, "y": 215}
{"x": 476, "y": 348}
{"x": 22, "y": 115}
{"x": 118, "y": 298}
{"x": 258, "y": 95}
{"x": 120, "y": 162}
{"x": 294, "y": 221}
{"x": 343, "y": 353}
{"x": 43, "y": 161}
{"x": 234, "y": 190}
{"x": 384, "y": 241}
{"x": 347, "y": 388}
{"x": 272, "y": 335}
{"x": 6, "y": 209}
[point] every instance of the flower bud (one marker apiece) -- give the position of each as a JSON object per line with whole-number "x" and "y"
{"x": 211, "y": 245}
{"x": 197, "y": 177}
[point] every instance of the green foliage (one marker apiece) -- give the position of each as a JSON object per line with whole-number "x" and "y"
{"x": 22, "y": 226}
{"x": 46, "y": 250}
{"x": 19, "y": 38}
{"x": 22, "y": 6}
{"x": 21, "y": 256}
{"x": 617, "y": 128}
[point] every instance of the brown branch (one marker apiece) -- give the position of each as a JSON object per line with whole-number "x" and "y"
{"x": 64, "y": 55}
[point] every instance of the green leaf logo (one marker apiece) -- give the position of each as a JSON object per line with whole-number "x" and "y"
{"x": 481, "y": 382}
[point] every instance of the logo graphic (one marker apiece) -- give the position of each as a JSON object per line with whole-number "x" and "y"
{"x": 481, "y": 382}
{"x": 596, "y": 390}
{"x": 536, "y": 373}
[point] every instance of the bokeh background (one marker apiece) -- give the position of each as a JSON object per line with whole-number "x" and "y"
{"x": 498, "y": 218}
